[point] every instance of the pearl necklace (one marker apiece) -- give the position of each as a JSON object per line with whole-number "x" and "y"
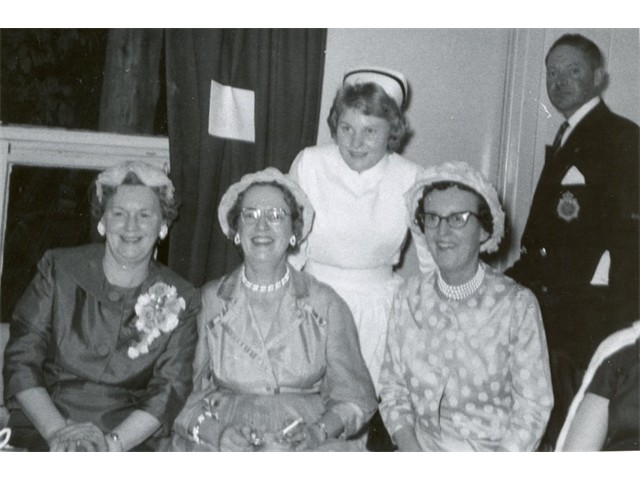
{"x": 254, "y": 287}
{"x": 458, "y": 292}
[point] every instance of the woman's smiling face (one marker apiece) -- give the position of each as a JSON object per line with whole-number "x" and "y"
{"x": 132, "y": 222}
{"x": 455, "y": 251}
{"x": 264, "y": 241}
{"x": 362, "y": 139}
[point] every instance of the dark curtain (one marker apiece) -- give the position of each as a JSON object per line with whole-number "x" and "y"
{"x": 284, "y": 68}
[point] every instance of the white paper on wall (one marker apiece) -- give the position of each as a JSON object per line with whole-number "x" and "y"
{"x": 231, "y": 112}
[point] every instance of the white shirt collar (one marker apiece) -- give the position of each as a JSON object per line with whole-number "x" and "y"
{"x": 578, "y": 116}
{"x": 582, "y": 111}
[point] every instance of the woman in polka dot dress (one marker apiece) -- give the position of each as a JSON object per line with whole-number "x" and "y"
{"x": 466, "y": 365}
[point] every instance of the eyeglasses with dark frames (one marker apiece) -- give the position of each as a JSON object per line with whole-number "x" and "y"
{"x": 455, "y": 220}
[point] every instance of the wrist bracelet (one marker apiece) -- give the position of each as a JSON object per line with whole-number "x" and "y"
{"x": 116, "y": 438}
{"x": 195, "y": 431}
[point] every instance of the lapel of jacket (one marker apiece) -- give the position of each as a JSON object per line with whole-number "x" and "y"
{"x": 293, "y": 311}
{"x": 582, "y": 137}
{"x": 235, "y": 322}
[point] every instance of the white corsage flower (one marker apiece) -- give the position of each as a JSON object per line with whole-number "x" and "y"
{"x": 157, "y": 312}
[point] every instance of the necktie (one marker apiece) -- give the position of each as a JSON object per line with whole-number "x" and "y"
{"x": 558, "y": 140}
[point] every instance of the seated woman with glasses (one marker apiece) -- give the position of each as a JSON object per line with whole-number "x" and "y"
{"x": 278, "y": 366}
{"x": 466, "y": 365}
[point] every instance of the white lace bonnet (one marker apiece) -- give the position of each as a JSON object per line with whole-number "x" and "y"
{"x": 463, "y": 173}
{"x": 269, "y": 174}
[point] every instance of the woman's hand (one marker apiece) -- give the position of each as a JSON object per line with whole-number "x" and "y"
{"x": 236, "y": 439}
{"x": 78, "y": 437}
{"x": 406, "y": 440}
{"x": 305, "y": 436}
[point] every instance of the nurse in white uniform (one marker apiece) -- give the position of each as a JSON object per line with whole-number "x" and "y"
{"x": 356, "y": 187}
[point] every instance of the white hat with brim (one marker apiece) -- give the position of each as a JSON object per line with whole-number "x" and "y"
{"x": 393, "y": 83}
{"x": 462, "y": 173}
{"x": 270, "y": 174}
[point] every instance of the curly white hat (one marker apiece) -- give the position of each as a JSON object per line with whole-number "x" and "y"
{"x": 148, "y": 174}
{"x": 270, "y": 174}
{"x": 463, "y": 173}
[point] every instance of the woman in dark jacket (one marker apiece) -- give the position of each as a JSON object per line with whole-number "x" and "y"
{"x": 102, "y": 342}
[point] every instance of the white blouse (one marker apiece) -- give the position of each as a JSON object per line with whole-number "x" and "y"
{"x": 361, "y": 220}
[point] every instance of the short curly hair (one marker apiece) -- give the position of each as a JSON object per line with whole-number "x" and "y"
{"x": 297, "y": 222}
{"x": 370, "y": 99}
{"x": 484, "y": 212}
{"x": 168, "y": 204}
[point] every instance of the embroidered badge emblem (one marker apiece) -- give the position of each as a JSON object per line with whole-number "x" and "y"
{"x": 568, "y": 207}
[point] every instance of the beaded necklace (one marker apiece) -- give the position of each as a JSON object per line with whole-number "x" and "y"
{"x": 458, "y": 292}
{"x": 255, "y": 287}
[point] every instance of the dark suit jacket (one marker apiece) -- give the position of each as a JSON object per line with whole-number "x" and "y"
{"x": 571, "y": 226}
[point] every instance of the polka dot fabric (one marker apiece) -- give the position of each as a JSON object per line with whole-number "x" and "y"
{"x": 468, "y": 375}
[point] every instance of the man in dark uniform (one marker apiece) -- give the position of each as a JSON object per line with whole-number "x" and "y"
{"x": 579, "y": 250}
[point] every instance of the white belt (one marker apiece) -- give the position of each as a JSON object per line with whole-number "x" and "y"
{"x": 349, "y": 275}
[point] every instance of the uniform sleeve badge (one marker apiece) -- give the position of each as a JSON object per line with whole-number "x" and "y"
{"x": 568, "y": 207}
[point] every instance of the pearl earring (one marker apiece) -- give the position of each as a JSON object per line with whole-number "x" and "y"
{"x": 163, "y": 232}
{"x": 292, "y": 241}
{"x": 236, "y": 239}
{"x": 101, "y": 229}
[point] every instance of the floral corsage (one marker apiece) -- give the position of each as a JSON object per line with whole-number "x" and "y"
{"x": 156, "y": 313}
